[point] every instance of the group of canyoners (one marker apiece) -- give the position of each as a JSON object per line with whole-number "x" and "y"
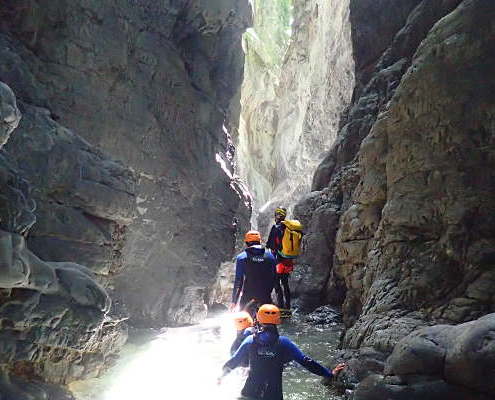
{"x": 258, "y": 344}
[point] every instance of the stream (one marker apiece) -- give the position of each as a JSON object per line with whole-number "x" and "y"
{"x": 183, "y": 363}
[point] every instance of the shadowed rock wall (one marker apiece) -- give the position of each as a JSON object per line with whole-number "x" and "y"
{"x": 87, "y": 242}
{"x": 400, "y": 223}
{"x": 149, "y": 83}
{"x": 57, "y": 320}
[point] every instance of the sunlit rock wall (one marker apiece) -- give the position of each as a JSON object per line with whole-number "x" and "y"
{"x": 291, "y": 111}
{"x": 150, "y": 83}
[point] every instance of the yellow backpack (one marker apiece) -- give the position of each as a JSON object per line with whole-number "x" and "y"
{"x": 291, "y": 241}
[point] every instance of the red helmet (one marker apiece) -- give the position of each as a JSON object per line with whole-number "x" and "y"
{"x": 252, "y": 236}
{"x": 268, "y": 314}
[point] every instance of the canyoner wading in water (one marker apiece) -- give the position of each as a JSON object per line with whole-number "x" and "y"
{"x": 285, "y": 243}
{"x": 267, "y": 353}
{"x": 244, "y": 327}
{"x": 254, "y": 275}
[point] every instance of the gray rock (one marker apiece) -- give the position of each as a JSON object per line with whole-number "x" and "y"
{"x": 9, "y": 113}
{"x": 470, "y": 360}
{"x": 292, "y": 96}
{"x": 423, "y": 353}
{"x": 443, "y": 360}
{"x": 324, "y": 315}
{"x": 56, "y": 324}
{"x": 398, "y": 246}
{"x": 376, "y": 388}
{"x": 189, "y": 306}
{"x": 152, "y": 85}
{"x": 15, "y": 388}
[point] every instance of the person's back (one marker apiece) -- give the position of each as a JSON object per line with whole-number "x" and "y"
{"x": 284, "y": 265}
{"x": 267, "y": 353}
{"x": 255, "y": 273}
{"x": 274, "y": 242}
{"x": 259, "y": 274}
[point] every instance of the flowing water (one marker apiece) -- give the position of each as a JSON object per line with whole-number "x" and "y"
{"x": 184, "y": 363}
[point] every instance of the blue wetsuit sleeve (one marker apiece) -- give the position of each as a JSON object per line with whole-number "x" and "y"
{"x": 294, "y": 353}
{"x": 240, "y": 355}
{"x": 248, "y": 332}
{"x": 239, "y": 278}
{"x": 240, "y": 338}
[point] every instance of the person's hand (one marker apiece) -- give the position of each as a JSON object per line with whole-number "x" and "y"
{"x": 219, "y": 380}
{"x": 338, "y": 368}
{"x": 232, "y": 307}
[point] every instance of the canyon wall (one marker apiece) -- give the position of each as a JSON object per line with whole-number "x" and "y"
{"x": 400, "y": 217}
{"x": 118, "y": 200}
{"x": 150, "y": 84}
{"x": 292, "y": 98}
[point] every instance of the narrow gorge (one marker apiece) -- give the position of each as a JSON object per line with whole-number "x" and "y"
{"x": 140, "y": 139}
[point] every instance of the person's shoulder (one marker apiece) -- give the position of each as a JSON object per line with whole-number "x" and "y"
{"x": 242, "y": 255}
{"x": 248, "y": 339}
{"x": 248, "y": 331}
{"x": 286, "y": 342}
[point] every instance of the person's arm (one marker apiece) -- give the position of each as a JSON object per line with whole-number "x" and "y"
{"x": 236, "y": 360}
{"x": 270, "y": 244}
{"x": 298, "y": 356}
{"x": 240, "y": 338}
{"x": 239, "y": 278}
{"x": 274, "y": 270}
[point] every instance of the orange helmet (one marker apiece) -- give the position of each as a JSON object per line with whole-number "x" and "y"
{"x": 252, "y": 236}
{"x": 242, "y": 320}
{"x": 268, "y": 314}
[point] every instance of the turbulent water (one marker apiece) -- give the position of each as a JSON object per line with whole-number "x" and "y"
{"x": 183, "y": 363}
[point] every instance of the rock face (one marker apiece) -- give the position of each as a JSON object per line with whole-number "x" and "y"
{"x": 400, "y": 220}
{"x": 87, "y": 242}
{"x": 151, "y": 84}
{"x": 442, "y": 361}
{"x": 57, "y": 321}
{"x": 291, "y": 105}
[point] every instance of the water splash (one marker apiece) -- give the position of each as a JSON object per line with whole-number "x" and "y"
{"x": 184, "y": 363}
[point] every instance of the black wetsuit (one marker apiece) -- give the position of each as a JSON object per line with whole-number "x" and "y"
{"x": 267, "y": 354}
{"x": 254, "y": 276}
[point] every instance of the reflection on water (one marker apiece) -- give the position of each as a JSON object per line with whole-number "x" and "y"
{"x": 183, "y": 363}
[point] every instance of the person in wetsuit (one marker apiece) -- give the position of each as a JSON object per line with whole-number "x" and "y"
{"x": 255, "y": 274}
{"x": 244, "y": 326}
{"x": 285, "y": 266}
{"x": 267, "y": 353}
{"x": 274, "y": 242}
